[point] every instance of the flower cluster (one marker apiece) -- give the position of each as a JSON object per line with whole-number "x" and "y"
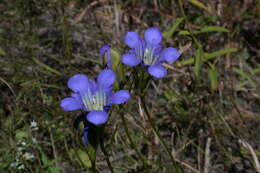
{"x": 95, "y": 97}
{"x": 149, "y": 52}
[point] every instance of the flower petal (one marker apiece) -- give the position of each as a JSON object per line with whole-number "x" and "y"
{"x": 106, "y": 78}
{"x": 78, "y": 82}
{"x": 170, "y": 54}
{"x": 153, "y": 36}
{"x": 119, "y": 97}
{"x": 157, "y": 71}
{"x": 105, "y": 50}
{"x": 97, "y": 117}
{"x": 70, "y": 104}
{"x": 130, "y": 59}
{"x": 132, "y": 39}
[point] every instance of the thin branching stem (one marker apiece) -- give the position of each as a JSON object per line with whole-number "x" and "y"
{"x": 132, "y": 143}
{"x": 105, "y": 154}
{"x": 157, "y": 132}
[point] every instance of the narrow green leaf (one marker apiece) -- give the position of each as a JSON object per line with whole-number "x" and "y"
{"x": 81, "y": 157}
{"x": 213, "y": 76}
{"x": 2, "y": 52}
{"x": 208, "y": 56}
{"x": 198, "y": 61}
{"x": 200, "y": 5}
{"x": 213, "y": 29}
{"x": 245, "y": 77}
{"x": 205, "y": 29}
{"x": 256, "y": 70}
{"x": 168, "y": 34}
{"x": 21, "y": 134}
{"x": 46, "y": 67}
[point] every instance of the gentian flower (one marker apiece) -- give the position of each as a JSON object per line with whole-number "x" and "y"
{"x": 105, "y": 51}
{"x": 94, "y": 97}
{"x": 149, "y": 52}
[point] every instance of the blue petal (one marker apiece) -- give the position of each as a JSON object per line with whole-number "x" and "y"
{"x": 132, "y": 39}
{"x": 106, "y": 78}
{"x": 170, "y": 55}
{"x": 119, "y": 97}
{"x": 97, "y": 117}
{"x": 130, "y": 59}
{"x": 157, "y": 71}
{"x": 105, "y": 50}
{"x": 70, "y": 104}
{"x": 153, "y": 36}
{"x": 78, "y": 82}
{"x": 93, "y": 86}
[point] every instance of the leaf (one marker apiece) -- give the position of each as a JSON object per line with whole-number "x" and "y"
{"x": 213, "y": 76}
{"x": 213, "y": 29}
{"x": 208, "y": 56}
{"x": 198, "y": 61}
{"x": 81, "y": 157}
{"x": 245, "y": 77}
{"x": 173, "y": 28}
{"x": 2, "y": 52}
{"x": 20, "y": 134}
{"x": 256, "y": 70}
{"x": 45, "y": 66}
{"x": 205, "y": 29}
{"x": 200, "y": 5}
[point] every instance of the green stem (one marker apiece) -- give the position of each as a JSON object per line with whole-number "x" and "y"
{"x": 142, "y": 97}
{"x": 132, "y": 143}
{"x": 105, "y": 154}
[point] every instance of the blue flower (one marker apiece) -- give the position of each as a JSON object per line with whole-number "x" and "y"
{"x": 105, "y": 50}
{"x": 149, "y": 52}
{"x": 94, "y": 97}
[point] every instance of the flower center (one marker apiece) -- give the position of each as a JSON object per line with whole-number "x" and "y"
{"x": 149, "y": 57}
{"x": 95, "y": 101}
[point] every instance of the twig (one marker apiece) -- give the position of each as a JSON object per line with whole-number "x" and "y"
{"x": 132, "y": 143}
{"x": 173, "y": 159}
{"x": 54, "y": 150}
{"x": 250, "y": 148}
{"x": 207, "y": 156}
{"x": 105, "y": 154}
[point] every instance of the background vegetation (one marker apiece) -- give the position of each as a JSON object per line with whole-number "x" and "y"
{"x": 207, "y": 108}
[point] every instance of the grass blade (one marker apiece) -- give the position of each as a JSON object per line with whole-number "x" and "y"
{"x": 213, "y": 76}
{"x": 208, "y": 56}
{"x": 198, "y": 62}
{"x": 46, "y": 67}
{"x": 168, "y": 34}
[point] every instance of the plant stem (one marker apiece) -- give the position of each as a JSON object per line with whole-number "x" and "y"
{"x": 106, "y": 154}
{"x": 142, "y": 97}
{"x": 132, "y": 143}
